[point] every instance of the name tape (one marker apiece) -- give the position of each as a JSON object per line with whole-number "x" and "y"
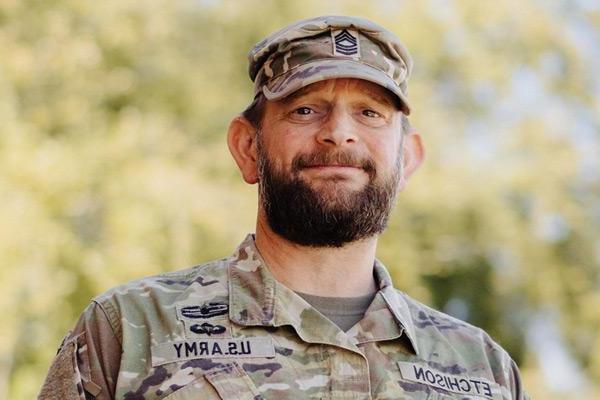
{"x": 182, "y": 350}
{"x": 420, "y": 373}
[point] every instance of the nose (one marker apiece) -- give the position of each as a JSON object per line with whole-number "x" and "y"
{"x": 339, "y": 128}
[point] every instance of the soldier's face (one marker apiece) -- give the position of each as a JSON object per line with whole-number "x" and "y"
{"x": 330, "y": 162}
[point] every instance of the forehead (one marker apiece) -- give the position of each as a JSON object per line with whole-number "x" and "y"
{"x": 348, "y": 86}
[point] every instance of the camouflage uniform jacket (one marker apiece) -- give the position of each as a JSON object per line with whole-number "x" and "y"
{"x": 228, "y": 329}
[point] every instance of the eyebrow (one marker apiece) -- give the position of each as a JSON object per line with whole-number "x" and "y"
{"x": 295, "y": 95}
{"x": 385, "y": 98}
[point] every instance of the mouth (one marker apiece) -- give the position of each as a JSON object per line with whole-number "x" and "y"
{"x": 340, "y": 165}
{"x": 335, "y": 173}
{"x": 333, "y": 167}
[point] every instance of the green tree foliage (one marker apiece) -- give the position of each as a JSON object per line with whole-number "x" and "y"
{"x": 113, "y": 163}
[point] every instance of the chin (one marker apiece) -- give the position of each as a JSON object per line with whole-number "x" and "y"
{"x": 335, "y": 186}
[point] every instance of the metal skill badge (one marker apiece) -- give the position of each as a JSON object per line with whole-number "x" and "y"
{"x": 208, "y": 329}
{"x": 182, "y": 350}
{"x": 205, "y": 311}
{"x": 205, "y": 319}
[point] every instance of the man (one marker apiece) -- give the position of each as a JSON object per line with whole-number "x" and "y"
{"x": 302, "y": 309}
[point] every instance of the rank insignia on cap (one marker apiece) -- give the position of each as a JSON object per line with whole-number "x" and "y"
{"x": 345, "y": 43}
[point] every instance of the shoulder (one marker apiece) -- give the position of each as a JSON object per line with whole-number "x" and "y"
{"x": 445, "y": 340}
{"x": 451, "y": 338}
{"x": 426, "y": 317}
{"x": 153, "y": 294}
{"x": 173, "y": 283}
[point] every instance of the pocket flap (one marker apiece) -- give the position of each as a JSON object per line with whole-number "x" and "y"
{"x": 232, "y": 382}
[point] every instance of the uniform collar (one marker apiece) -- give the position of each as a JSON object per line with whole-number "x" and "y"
{"x": 388, "y": 301}
{"x": 256, "y": 298}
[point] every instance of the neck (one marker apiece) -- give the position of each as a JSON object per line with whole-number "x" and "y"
{"x": 346, "y": 271}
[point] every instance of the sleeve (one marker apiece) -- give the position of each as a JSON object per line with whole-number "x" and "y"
{"x": 518, "y": 393}
{"x": 87, "y": 364}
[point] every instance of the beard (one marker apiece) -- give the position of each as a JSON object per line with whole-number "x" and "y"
{"x": 331, "y": 216}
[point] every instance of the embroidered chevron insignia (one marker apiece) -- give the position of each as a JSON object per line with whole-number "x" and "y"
{"x": 345, "y": 43}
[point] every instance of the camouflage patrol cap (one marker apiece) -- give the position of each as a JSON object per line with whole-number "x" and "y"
{"x": 329, "y": 47}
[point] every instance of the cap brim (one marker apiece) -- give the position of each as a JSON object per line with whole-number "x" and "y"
{"x": 321, "y": 70}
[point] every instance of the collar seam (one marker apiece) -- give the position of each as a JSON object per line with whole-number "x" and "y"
{"x": 400, "y": 322}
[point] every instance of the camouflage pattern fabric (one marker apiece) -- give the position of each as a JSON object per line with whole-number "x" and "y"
{"x": 329, "y": 47}
{"x": 228, "y": 330}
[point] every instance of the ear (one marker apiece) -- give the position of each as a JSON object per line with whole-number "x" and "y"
{"x": 241, "y": 140}
{"x": 413, "y": 154}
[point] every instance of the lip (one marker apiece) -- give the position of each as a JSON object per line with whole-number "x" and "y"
{"x": 333, "y": 167}
{"x": 339, "y": 171}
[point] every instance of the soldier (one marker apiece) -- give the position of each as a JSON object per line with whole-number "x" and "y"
{"x": 302, "y": 309}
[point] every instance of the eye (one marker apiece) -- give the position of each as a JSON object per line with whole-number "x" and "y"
{"x": 371, "y": 114}
{"x": 303, "y": 114}
{"x": 303, "y": 111}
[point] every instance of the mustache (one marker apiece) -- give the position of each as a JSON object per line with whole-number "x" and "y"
{"x": 340, "y": 158}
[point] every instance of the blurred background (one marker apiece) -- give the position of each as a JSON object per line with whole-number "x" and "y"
{"x": 113, "y": 164}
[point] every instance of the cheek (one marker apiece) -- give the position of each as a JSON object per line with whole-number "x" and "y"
{"x": 281, "y": 148}
{"x": 384, "y": 150}
{"x": 289, "y": 143}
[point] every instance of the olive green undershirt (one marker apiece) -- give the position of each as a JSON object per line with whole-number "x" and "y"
{"x": 345, "y": 312}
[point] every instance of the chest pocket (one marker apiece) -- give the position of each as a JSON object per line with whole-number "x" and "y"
{"x": 229, "y": 382}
